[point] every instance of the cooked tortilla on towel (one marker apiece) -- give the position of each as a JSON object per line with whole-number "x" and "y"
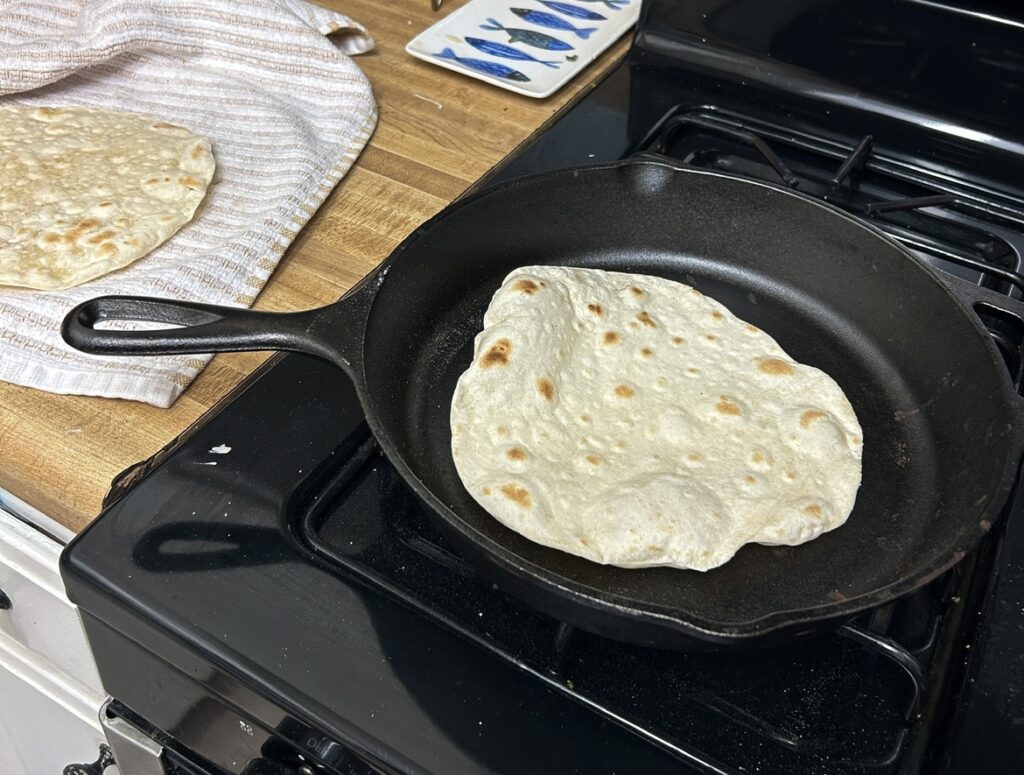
{"x": 85, "y": 191}
{"x": 634, "y": 421}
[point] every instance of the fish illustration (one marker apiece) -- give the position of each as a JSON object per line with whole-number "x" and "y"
{"x": 568, "y": 9}
{"x": 542, "y": 19}
{"x": 529, "y": 37}
{"x": 506, "y": 52}
{"x": 615, "y": 5}
{"x": 495, "y": 69}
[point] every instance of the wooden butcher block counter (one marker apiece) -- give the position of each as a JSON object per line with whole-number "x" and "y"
{"x": 438, "y": 133}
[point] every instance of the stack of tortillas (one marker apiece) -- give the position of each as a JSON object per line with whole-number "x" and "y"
{"x": 636, "y": 422}
{"x": 146, "y": 151}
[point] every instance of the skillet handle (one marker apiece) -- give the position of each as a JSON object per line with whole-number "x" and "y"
{"x": 205, "y": 328}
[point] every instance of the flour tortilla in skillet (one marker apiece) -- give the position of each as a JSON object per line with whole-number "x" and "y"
{"x": 633, "y": 421}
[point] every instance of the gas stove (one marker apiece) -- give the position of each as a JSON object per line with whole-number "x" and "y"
{"x": 267, "y": 596}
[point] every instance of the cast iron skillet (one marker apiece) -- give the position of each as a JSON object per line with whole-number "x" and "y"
{"x": 941, "y": 420}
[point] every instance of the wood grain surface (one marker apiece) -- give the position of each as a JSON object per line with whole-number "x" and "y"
{"x": 59, "y": 453}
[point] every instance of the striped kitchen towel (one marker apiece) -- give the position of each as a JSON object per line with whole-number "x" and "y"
{"x": 287, "y": 111}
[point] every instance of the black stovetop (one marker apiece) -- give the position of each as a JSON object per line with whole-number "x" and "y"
{"x": 270, "y": 589}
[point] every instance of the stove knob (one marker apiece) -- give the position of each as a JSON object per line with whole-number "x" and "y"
{"x": 97, "y": 767}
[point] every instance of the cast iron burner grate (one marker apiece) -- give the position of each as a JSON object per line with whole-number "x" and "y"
{"x": 779, "y": 707}
{"x": 974, "y": 233}
{"x": 968, "y": 231}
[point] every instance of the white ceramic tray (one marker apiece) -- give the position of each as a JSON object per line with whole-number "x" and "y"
{"x": 532, "y": 47}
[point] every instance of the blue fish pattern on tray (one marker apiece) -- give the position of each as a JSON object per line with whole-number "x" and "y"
{"x": 615, "y": 5}
{"x": 539, "y": 40}
{"x": 494, "y": 69}
{"x": 568, "y": 9}
{"x": 542, "y": 19}
{"x": 507, "y": 52}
